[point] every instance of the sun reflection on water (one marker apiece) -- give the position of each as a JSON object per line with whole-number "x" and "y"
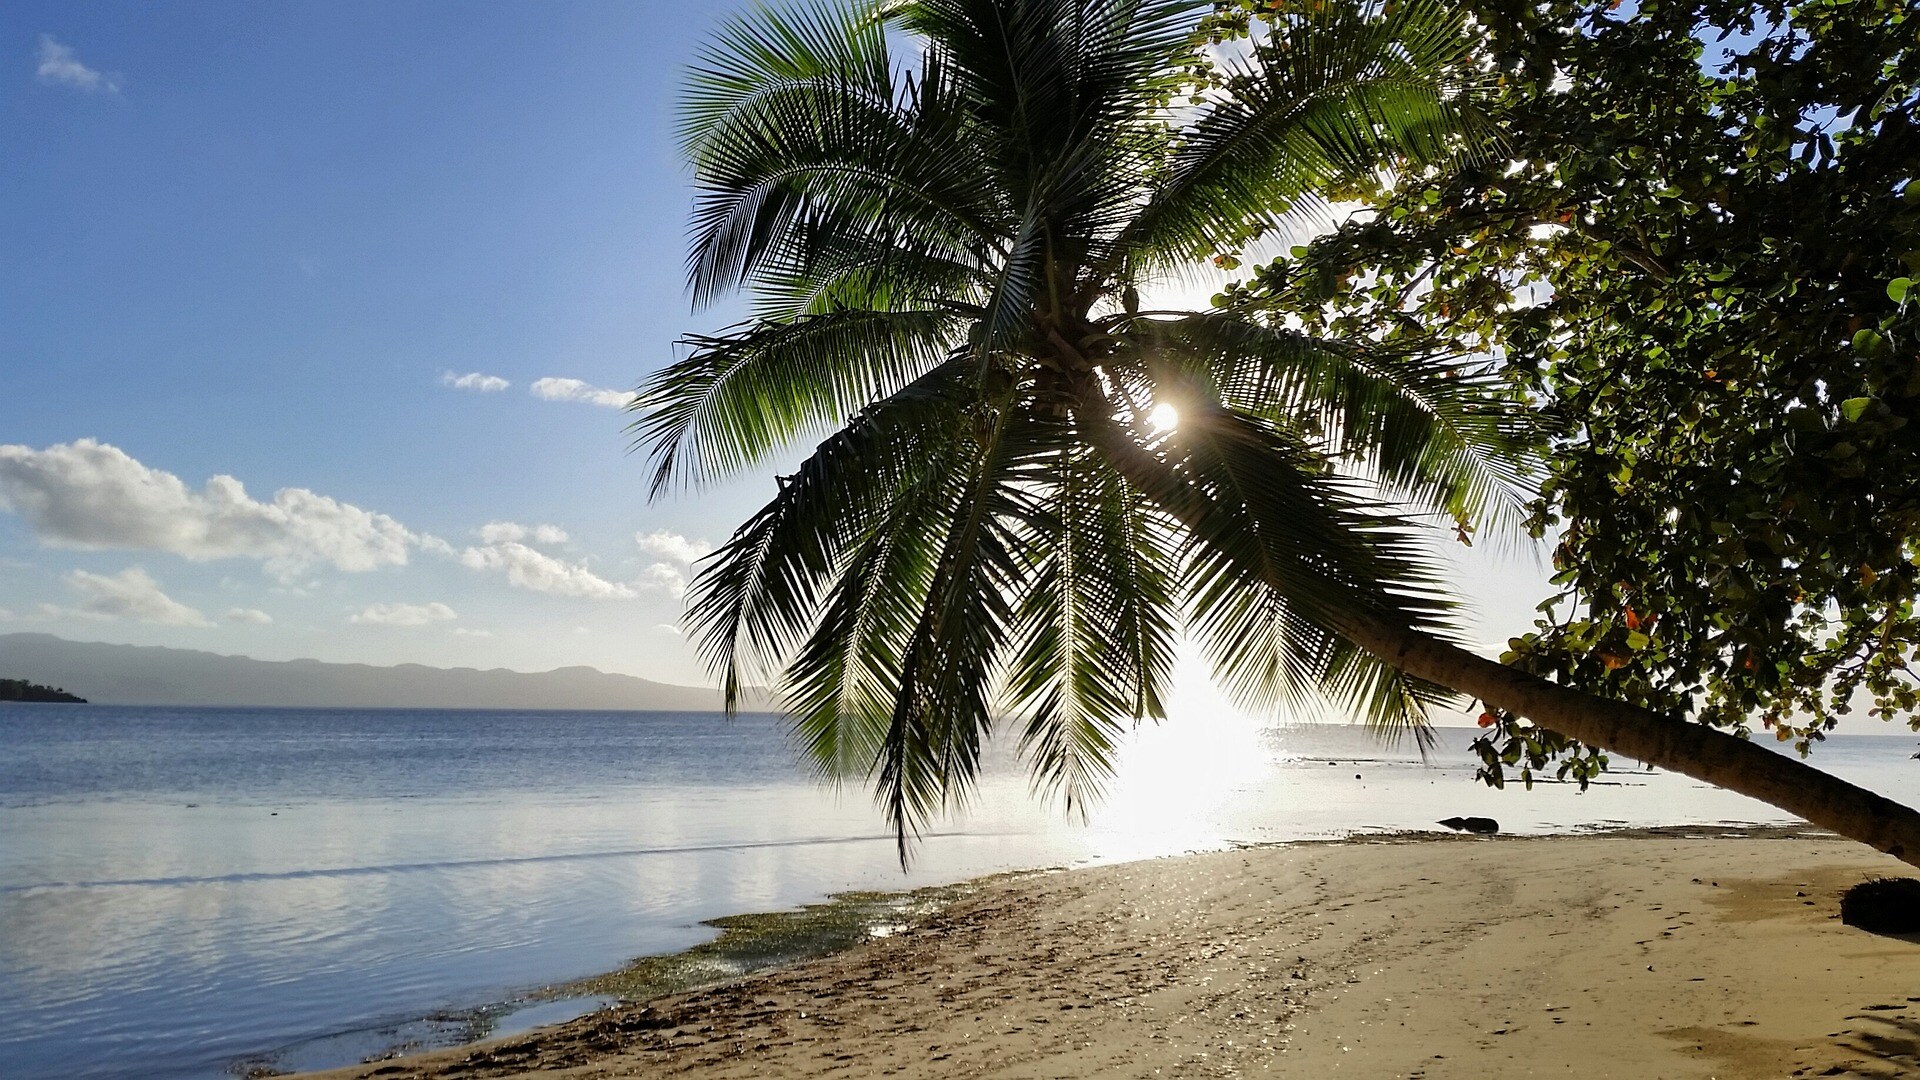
{"x": 1175, "y": 777}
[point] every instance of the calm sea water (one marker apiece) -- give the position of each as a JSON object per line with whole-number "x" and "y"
{"x": 181, "y": 890}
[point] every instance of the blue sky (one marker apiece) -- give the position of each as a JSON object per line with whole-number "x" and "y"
{"x": 265, "y": 242}
{"x": 251, "y": 241}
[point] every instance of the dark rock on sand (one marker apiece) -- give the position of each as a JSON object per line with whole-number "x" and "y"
{"x": 1471, "y": 824}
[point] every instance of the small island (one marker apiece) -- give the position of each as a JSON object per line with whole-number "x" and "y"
{"x": 22, "y": 690}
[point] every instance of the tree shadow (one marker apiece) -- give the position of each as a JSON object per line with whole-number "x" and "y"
{"x": 1893, "y": 1040}
{"x": 1911, "y": 937}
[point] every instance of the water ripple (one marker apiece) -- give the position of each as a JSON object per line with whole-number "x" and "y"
{"x": 472, "y": 864}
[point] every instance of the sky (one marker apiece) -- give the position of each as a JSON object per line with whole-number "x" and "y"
{"x": 316, "y": 320}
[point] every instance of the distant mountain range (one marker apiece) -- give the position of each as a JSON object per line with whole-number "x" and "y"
{"x": 151, "y": 675}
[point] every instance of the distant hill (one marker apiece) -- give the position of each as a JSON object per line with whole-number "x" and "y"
{"x": 151, "y": 675}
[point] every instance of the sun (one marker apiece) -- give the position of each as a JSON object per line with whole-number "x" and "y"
{"x": 1162, "y": 418}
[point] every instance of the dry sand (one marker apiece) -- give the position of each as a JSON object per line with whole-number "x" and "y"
{"x": 1598, "y": 956}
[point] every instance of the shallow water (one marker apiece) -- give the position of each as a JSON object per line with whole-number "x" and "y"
{"x": 181, "y": 890}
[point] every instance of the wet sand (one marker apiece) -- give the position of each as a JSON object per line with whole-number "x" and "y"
{"x": 1650, "y": 955}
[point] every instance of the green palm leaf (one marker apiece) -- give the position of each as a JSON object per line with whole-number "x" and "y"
{"x": 756, "y": 596}
{"x": 740, "y": 395}
{"x": 803, "y": 138}
{"x": 1420, "y": 423}
{"x": 930, "y": 754}
{"x": 1279, "y": 555}
{"x": 1097, "y": 620}
{"x": 1335, "y": 91}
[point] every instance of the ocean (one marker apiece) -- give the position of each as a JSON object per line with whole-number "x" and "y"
{"x": 190, "y": 893}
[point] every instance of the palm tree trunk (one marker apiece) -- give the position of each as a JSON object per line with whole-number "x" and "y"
{"x": 1704, "y": 753}
{"x": 1695, "y": 750}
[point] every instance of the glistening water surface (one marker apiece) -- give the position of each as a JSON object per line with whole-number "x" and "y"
{"x": 181, "y": 890}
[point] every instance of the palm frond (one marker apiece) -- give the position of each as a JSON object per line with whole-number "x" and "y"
{"x": 1096, "y": 625}
{"x": 1281, "y": 553}
{"x": 1443, "y": 433}
{"x": 739, "y": 395}
{"x": 764, "y": 52}
{"x": 758, "y": 594}
{"x": 795, "y": 133}
{"x": 1047, "y": 75}
{"x": 856, "y": 270}
{"x": 841, "y": 686}
{"x": 942, "y": 713}
{"x": 1066, "y": 96}
{"x": 1336, "y": 91}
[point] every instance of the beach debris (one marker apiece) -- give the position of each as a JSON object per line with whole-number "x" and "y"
{"x": 1481, "y": 825}
{"x": 1883, "y": 906}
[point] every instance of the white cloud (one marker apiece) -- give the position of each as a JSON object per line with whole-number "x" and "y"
{"x": 130, "y": 594}
{"x": 536, "y": 570}
{"x": 478, "y": 382}
{"x": 465, "y": 632}
{"x": 501, "y": 532}
{"x": 59, "y": 67}
{"x": 247, "y": 615}
{"x": 665, "y": 577}
{"x": 677, "y": 555}
{"x": 672, "y": 546}
{"x": 404, "y": 614}
{"x": 530, "y": 568}
{"x": 667, "y": 628}
{"x": 552, "y": 389}
{"x": 89, "y": 494}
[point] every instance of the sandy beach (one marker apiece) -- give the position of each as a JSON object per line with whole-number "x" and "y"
{"x": 1651, "y": 955}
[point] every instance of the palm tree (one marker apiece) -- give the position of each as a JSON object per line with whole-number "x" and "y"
{"x": 944, "y": 252}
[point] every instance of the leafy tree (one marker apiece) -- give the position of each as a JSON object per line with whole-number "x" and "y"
{"x": 946, "y": 252}
{"x": 1696, "y": 250}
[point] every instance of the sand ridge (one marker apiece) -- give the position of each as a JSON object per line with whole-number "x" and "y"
{"x": 1594, "y": 956}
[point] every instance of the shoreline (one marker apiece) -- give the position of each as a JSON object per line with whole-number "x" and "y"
{"x": 752, "y": 943}
{"x": 1185, "y": 961}
{"x": 746, "y": 945}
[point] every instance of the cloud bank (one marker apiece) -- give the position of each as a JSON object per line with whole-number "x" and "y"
{"x": 91, "y": 495}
